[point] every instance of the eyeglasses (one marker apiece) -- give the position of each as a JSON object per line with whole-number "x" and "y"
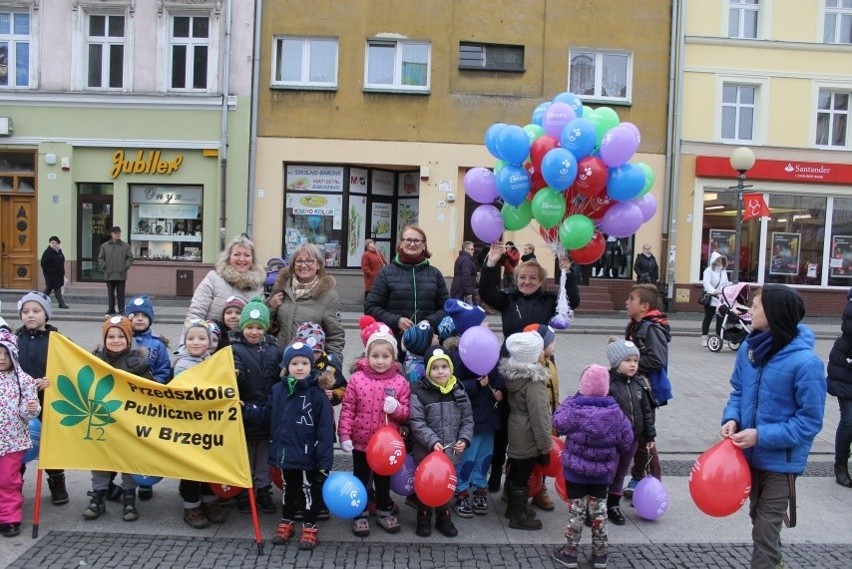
{"x": 306, "y": 262}
{"x": 412, "y": 241}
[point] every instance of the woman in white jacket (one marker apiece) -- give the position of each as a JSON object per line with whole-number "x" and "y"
{"x": 715, "y": 277}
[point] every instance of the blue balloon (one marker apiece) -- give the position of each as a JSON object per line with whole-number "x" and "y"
{"x": 580, "y": 137}
{"x": 559, "y": 168}
{"x": 513, "y": 144}
{"x": 571, "y": 100}
{"x": 143, "y": 480}
{"x": 491, "y": 138}
{"x": 513, "y": 184}
{"x": 538, "y": 113}
{"x": 625, "y": 182}
{"x": 344, "y": 495}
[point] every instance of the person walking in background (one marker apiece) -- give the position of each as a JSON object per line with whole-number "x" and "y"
{"x": 714, "y": 279}
{"x": 645, "y": 266}
{"x": 115, "y": 259}
{"x": 371, "y": 263}
{"x": 840, "y": 385}
{"x": 529, "y": 253}
{"x": 53, "y": 268}
{"x": 510, "y": 262}
{"x": 464, "y": 274}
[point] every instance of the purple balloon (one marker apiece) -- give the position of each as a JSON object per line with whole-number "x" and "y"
{"x": 634, "y": 129}
{"x": 402, "y": 481}
{"x": 650, "y": 498}
{"x": 618, "y": 146}
{"x": 481, "y": 185}
{"x": 487, "y": 223}
{"x": 479, "y": 349}
{"x": 556, "y": 117}
{"x": 621, "y": 220}
{"x": 648, "y": 205}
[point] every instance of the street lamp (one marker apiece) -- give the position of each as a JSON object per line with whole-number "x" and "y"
{"x": 742, "y": 159}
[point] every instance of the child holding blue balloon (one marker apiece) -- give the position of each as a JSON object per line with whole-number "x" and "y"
{"x": 18, "y": 392}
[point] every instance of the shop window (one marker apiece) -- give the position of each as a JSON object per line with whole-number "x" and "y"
{"x": 189, "y": 41}
{"x": 105, "y": 39}
{"x": 743, "y": 18}
{"x": 397, "y": 65}
{"x": 305, "y": 62}
{"x": 738, "y": 111}
{"x": 166, "y": 222}
{"x": 313, "y": 211}
{"x": 840, "y": 253}
{"x": 14, "y": 49}
{"x": 837, "y": 25}
{"x": 601, "y": 75}
{"x": 719, "y": 231}
{"x": 795, "y": 233}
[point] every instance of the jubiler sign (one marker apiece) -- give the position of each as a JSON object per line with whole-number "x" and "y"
{"x": 152, "y": 163}
{"x": 101, "y": 418}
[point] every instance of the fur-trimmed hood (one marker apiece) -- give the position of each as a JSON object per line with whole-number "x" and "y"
{"x": 516, "y": 374}
{"x": 324, "y": 284}
{"x": 251, "y": 280}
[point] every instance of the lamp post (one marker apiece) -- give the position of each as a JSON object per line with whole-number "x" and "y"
{"x": 742, "y": 159}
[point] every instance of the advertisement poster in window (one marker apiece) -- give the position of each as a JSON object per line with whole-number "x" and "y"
{"x": 382, "y": 183}
{"x": 384, "y": 247}
{"x": 380, "y": 220}
{"x": 409, "y": 184}
{"x": 317, "y": 219}
{"x": 840, "y": 264}
{"x": 408, "y": 213}
{"x": 357, "y": 230}
{"x": 723, "y": 242}
{"x": 357, "y": 181}
{"x": 315, "y": 179}
{"x": 785, "y": 254}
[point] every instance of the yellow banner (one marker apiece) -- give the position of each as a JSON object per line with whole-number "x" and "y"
{"x": 101, "y": 418}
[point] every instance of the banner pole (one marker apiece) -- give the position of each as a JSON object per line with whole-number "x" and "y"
{"x": 37, "y": 509}
{"x": 257, "y": 537}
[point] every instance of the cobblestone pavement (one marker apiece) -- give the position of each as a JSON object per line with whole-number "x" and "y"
{"x": 67, "y": 549}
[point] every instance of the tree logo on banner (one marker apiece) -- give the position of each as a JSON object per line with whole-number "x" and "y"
{"x": 85, "y": 400}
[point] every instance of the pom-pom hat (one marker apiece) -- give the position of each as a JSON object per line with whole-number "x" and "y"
{"x": 595, "y": 381}
{"x": 198, "y": 323}
{"x": 372, "y": 331}
{"x": 255, "y": 312}
{"x": 464, "y": 315}
{"x": 38, "y": 297}
{"x": 619, "y": 350}
{"x": 435, "y": 353}
{"x": 120, "y": 322}
{"x": 234, "y": 302}
{"x": 140, "y": 304}
{"x": 296, "y": 349}
{"x": 525, "y": 347}
{"x": 418, "y": 338}
{"x": 311, "y": 334}
{"x": 546, "y": 332}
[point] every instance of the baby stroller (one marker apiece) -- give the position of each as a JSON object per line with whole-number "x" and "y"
{"x": 736, "y": 319}
{"x": 273, "y": 265}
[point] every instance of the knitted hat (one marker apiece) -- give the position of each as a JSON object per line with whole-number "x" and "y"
{"x": 464, "y": 315}
{"x": 619, "y": 350}
{"x": 546, "y": 332}
{"x": 140, "y": 304}
{"x": 784, "y": 309}
{"x": 595, "y": 381}
{"x": 372, "y": 331}
{"x": 36, "y": 296}
{"x": 197, "y": 323}
{"x": 120, "y": 322}
{"x": 9, "y": 341}
{"x": 54, "y": 238}
{"x": 435, "y": 353}
{"x": 233, "y": 302}
{"x": 525, "y": 347}
{"x": 255, "y": 312}
{"x": 215, "y": 331}
{"x": 417, "y": 339}
{"x": 446, "y": 328}
{"x": 311, "y": 334}
{"x": 296, "y": 349}
{"x": 368, "y": 325}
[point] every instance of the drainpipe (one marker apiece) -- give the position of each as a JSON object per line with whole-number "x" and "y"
{"x": 255, "y": 89}
{"x": 223, "y": 142}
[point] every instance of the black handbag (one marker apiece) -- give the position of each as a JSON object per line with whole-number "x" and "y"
{"x": 705, "y": 298}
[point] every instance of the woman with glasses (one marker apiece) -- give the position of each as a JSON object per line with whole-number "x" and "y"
{"x": 408, "y": 290}
{"x": 237, "y": 273}
{"x": 305, "y": 292}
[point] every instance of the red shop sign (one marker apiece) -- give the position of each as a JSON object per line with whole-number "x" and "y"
{"x": 777, "y": 170}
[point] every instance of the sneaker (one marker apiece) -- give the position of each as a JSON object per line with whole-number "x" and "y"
{"x": 264, "y": 501}
{"x": 462, "y": 506}
{"x": 10, "y": 530}
{"x": 214, "y": 512}
{"x": 243, "y": 505}
{"x": 114, "y": 493}
{"x": 566, "y": 556}
{"x": 195, "y": 518}
{"x": 480, "y": 501}
{"x": 387, "y": 521}
{"x": 599, "y": 560}
{"x": 309, "y": 537}
{"x": 361, "y": 527}
{"x": 299, "y": 515}
{"x": 145, "y": 493}
{"x": 631, "y": 486}
{"x": 284, "y": 531}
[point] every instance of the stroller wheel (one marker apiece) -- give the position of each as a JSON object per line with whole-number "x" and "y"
{"x": 714, "y": 343}
{"x": 734, "y": 345}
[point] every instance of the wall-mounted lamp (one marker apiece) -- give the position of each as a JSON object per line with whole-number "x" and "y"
{"x": 50, "y": 159}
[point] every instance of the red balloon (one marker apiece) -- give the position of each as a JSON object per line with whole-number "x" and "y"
{"x": 555, "y": 467}
{"x": 561, "y": 487}
{"x": 536, "y": 480}
{"x": 591, "y": 252}
{"x": 225, "y": 491}
{"x": 549, "y": 235}
{"x": 536, "y": 179}
{"x": 435, "y": 479}
{"x": 594, "y": 208}
{"x": 591, "y": 176}
{"x": 275, "y": 476}
{"x": 541, "y": 146}
{"x": 720, "y": 480}
{"x": 385, "y": 451}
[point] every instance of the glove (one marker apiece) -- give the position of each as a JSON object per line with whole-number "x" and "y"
{"x": 544, "y": 459}
{"x": 346, "y": 446}
{"x": 390, "y": 405}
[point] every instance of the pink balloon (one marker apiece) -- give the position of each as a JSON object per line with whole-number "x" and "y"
{"x": 621, "y": 220}
{"x": 648, "y": 205}
{"x": 481, "y": 185}
{"x": 479, "y": 349}
{"x": 487, "y": 223}
{"x": 619, "y": 144}
{"x": 556, "y": 117}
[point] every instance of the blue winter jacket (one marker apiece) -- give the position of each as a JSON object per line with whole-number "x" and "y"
{"x": 158, "y": 354}
{"x": 784, "y": 399}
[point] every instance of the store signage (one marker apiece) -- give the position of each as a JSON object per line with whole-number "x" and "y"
{"x": 315, "y": 178}
{"x": 777, "y": 170}
{"x": 152, "y": 163}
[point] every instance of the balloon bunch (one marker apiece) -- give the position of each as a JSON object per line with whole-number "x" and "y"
{"x": 569, "y": 171}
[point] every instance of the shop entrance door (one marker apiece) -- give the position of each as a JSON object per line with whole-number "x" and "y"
{"x": 95, "y": 221}
{"x": 18, "y": 250}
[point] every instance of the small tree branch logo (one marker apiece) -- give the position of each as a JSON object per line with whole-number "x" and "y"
{"x": 85, "y": 400}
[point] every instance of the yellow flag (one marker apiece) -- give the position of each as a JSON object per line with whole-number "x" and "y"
{"x": 101, "y": 418}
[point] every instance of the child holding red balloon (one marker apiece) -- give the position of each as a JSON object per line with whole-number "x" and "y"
{"x": 597, "y": 433}
{"x": 377, "y": 395}
{"x": 441, "y": 420}
{"x": 19, "y": 394}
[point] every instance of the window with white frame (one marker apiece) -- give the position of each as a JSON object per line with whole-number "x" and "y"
{"x": 837, "y": 26}
{"x": 738, "y": 111}
{"x": 742, "y": 18}
{"x": 393, "y": 65}
{"x": 601, "y": 75}
{"x": 105, "y": 38}
{"x": 832, "y": 126}
{"x": 189, "y": 46}
{"x": 305, "y": 62}
{"x": 14, "y": 49}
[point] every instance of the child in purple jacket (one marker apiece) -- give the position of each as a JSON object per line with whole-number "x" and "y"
{"x": 597, "y": 433}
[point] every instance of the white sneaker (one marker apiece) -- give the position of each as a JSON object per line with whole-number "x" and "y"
{"x": 703, "y": 341}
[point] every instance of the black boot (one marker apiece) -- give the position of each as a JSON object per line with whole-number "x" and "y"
{"x": 841, "y": 474}
{"x": 61, "y": 300}
{"x": 613, "y": 510}
{"x": 444, "y": 523}
{"x": 97, "y": 506}
{"x": 518, "y": 504}
{"x": 58, "y": 493}
{"x": 130, "y": 514}
{"x": 424, "y": 522}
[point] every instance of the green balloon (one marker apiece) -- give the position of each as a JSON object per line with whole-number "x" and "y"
{"x": 534, "y": 132}
{"x": 499, "y": 165}
{"x": 548, "y": 207}
{"x": 649, "y": 179}
{"x": 515, "y": 218}
{"x": 576, "y": 231}
{"x": 606, "y": 119}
